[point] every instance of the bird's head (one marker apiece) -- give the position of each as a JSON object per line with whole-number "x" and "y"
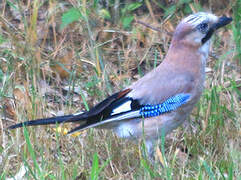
{"x": 197, "y": 29}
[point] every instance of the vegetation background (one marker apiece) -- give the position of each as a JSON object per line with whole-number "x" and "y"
{"x": 62, "y": 57}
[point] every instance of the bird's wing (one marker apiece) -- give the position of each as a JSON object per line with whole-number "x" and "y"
{"x": 131, "y": 111}
{"x": 145, "y": 98}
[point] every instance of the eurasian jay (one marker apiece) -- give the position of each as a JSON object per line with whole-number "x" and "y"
{"x": 161, "y": 100}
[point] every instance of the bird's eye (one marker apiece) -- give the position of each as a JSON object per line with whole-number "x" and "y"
{"x": 203, "y": 27}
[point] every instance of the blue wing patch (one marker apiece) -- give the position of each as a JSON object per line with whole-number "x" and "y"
{"x": 169, "y": 105}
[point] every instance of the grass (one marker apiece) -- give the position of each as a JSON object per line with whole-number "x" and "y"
{"x": 52, "y": 64}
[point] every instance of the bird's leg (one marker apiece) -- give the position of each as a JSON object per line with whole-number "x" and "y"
{"x": 147, "y": 150}
{"x": 150, "y": 149}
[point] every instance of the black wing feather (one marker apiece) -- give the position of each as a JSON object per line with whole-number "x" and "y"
{"x": 105, "y": 109}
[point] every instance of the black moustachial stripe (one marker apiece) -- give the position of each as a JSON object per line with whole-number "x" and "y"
{"x": 223, "y": 21}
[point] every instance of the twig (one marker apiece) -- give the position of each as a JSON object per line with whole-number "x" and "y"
{"x": 147, "y": 25}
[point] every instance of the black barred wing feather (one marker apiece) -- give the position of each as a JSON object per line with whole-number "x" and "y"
{"x": 127, "y": 108}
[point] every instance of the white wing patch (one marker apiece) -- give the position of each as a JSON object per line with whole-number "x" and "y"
{"x": 122, "y": 108}
{"x": 76, "y": 114}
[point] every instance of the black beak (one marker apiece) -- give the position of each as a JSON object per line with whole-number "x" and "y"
{"x": 222, "y": 21}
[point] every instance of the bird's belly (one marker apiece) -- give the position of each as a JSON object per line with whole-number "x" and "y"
{"x": 151, "y": 128}
{"x": 157, "y": 126}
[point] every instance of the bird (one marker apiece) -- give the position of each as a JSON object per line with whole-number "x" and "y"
{"x": 162, "y": 99}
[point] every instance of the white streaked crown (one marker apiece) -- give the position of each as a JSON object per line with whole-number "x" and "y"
{"x": 198, "y": 18}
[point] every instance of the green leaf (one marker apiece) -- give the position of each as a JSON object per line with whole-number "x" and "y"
{"x": 187, "y": 10}
{"x": 95, "y": 167}
{"x": 209, "y": 170}
{"x": 32, "y": 154}
{"x": 12, "y": 5}
{"x": 126, "y": 21}
{"x": 184, "y": 2}
{"x": 95, "y": 170}
{"x": 70, "y": 16}
{"x": 104, "y": 13}
{"x": 133, "y": 6}
{"x": 148, "y": 168}
{"x": 1, "y": 78}
{"x": 2, "y": 40}
{"x": 170, "y": 10}
{"x": 95, "y": 4}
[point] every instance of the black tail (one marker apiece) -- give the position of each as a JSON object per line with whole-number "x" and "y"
{"x": 99, "y": 112}
{"x": 53, "y": 120}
